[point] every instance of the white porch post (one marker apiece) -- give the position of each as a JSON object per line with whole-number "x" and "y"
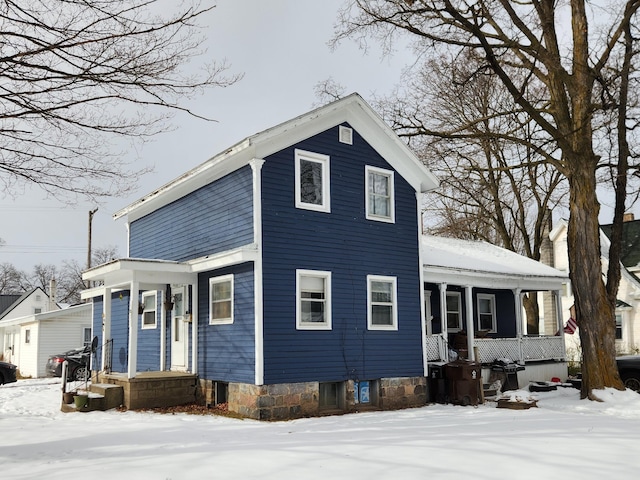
{"x": 443, "y": 307}
{"x": 256, "y": 167}
{"x": 194, "y": 327}
{"x": 163, "y": 332}
{"x": 560, "y": 320}
{"x": 468, "y": 293}
{"x": 133, "y": 330}
{"x": 517, "y": 296}
{"x": 106, "y": 324}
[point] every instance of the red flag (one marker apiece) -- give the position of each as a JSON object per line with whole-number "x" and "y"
{"x": 571, "y": 326}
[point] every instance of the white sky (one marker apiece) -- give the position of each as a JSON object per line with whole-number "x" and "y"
{"x": 563, "y": 438}
{"x": 281, "y": 46}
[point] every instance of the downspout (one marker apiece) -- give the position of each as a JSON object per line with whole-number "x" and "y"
{"x": 132, "y": 364}
{"x": 256, "y": 167}
{"x": 194, "y": 327}
{"x": 423, "y": 322}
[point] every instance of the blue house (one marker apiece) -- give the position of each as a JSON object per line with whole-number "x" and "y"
{"x": 283, "y": 276}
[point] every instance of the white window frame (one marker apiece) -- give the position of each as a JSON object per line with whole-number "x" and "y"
{"x": 391, "y": 218}
{"x": 323, "y": 160}
{"x": 394, "y": 302}
{"x": 145, "y": 295}
{"x": 492, "y": 301}
{"x": 86, "y": 342}
{"x": 214, "y": 281}
{"x": 326, "y": 277}
{"x": 459, "y": 311}
{"x": 27, "y": 336}
{"x": 619, "y": 315}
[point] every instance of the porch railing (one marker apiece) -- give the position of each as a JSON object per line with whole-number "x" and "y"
{"x": 523, "y": 349}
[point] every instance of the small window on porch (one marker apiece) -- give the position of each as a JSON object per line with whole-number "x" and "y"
{"x": 454, "y": 312}
{"x": 150, "y": 304}
{"x": 487, "y": 312}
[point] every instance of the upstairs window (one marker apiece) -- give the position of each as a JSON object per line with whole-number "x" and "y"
{"x": 221, "y": 300}
{"x": 487, "y": 312}
{"x": 313, "y": 299}
{"x": 150, "y": 304}
{"x": 379, "y": 201}
{"x": 312, "y": 181}
{"x": 382, "y": 303}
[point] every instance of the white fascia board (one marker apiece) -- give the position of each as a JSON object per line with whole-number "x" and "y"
{"x": 491, "y": 280}
{"x": 237, "y": 256}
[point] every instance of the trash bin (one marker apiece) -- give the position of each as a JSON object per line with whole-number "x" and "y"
{"x": 437, "y": 383}
{"x": 464, "y": 381}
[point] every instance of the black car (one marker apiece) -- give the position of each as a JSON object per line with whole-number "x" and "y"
{"x": 78, "y": 364}
{"x": 629, "y": 368}
{"x": 7, "y": 373}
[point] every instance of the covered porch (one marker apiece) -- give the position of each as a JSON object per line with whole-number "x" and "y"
{"x": 474, "y": 304}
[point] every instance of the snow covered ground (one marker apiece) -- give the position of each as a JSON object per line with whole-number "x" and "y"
{"x": 564, "y": 437}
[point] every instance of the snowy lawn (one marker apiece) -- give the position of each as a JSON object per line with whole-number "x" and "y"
{"x": 564, "y": 437}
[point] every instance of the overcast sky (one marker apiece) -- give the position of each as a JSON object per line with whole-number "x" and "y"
{"x": 281, "y": 47}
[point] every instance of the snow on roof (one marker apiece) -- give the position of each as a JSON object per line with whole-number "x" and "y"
{"x": 482, "y": 260}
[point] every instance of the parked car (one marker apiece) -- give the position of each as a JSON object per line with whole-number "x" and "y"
{"x": 78, "y": 364}
{"x": 629, "y": 368}
{"x": 7, "y": 373}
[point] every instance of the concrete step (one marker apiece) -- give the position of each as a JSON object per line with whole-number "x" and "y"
{"x": 105, "y": 396}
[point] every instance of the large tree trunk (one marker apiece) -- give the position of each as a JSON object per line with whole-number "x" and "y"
{"x": 595, "y": 314}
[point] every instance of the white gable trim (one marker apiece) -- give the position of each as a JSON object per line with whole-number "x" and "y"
{"x": 351, "y": 109}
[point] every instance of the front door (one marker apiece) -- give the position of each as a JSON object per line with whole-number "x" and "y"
{"x": 179, "y": 331}
{"x": 10, "y": 348}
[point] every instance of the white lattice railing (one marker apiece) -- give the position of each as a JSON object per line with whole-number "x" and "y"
{"x": 525, "y": 349}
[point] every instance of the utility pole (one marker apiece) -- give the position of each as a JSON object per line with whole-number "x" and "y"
{"x": 91, "y": 213}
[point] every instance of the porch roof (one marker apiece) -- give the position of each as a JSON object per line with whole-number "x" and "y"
{"x": 480, "y": 264}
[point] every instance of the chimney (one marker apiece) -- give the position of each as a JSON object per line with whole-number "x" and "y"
{"x": 628, "y": 217}
{"x": 52, "y": 295}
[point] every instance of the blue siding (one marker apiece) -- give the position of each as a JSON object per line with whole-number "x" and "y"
{"x": 212, "y": 219}
{"x": 227, "y": 352}
{"x": 349, "y": 246}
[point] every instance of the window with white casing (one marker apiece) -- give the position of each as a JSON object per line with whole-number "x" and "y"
{"x": 313, "y": 299}
{"x": 618, "y": 326}
{"x": 312, "y": 187}
{"x": 380, "y": 194}
{"x": 221, "y": 300}
{"x": 487, "y": 312}
{"x": 454, "y": 312}
{"x": 382, "y": 303}
{"x": 86, "y": 335}
{"x": 149, "y": 313}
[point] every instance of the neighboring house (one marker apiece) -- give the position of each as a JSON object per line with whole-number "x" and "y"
{"x": 284, "y": 272}
{"x": 628, "y": 299}
{"x": 30, "y": 303}
{"x": 473, "y": 303}
{"x": 30, "y": 340}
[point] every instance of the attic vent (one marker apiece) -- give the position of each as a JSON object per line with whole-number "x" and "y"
{"x": 346, "y": 135}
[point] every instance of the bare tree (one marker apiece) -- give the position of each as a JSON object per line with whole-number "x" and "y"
{"x": 572, "y": 80}
{"x": 76, "y": 73}
{"x": 11, "y": 280}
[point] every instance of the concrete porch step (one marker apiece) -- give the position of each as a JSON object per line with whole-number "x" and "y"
{"x": 99, "y": 397}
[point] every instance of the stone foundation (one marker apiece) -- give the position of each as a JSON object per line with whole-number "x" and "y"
{"x": 296, "y": 400}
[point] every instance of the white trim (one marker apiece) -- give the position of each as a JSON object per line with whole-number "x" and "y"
{"x": 195, "y": 312}
{"x": 163, "y": 331}
{"x": 256, "y": 166}
{"x": 326, "y": 278}
{"x": 394, "y": 302}
{"x": 351, "y": 109}
{"x": 468, "y": 294}
{"x": 133, "y": 330}
{"x": 445, "y": 317}
{"x": 324, "y": 161}
{"x": 492, "y": 301}
{"x": 391, "y": 218}
{"x": 214, "y": 281}
{"x": 145, "y": 295}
